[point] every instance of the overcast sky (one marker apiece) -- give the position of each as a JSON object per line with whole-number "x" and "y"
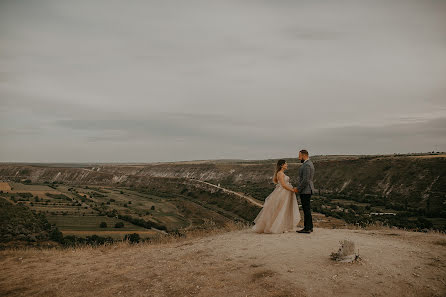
{"x": 143, "y": 81}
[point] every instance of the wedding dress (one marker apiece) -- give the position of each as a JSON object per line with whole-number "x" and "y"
{"x": 280, "y": 212}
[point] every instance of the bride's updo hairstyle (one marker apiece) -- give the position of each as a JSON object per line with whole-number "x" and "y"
{"x": 278, "y": 168}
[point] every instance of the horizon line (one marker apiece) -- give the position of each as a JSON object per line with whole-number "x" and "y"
{"x": 210, "y": 160}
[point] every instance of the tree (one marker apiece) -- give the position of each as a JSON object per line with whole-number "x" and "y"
{"x": 103, "y": 225}
{"x": 153, "y": 207}
{"x": 56, "y": 235}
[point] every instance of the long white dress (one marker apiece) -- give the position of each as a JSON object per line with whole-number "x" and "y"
{"x": 280, "y": 212}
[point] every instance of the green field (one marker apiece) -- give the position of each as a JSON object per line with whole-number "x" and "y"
{"x": 79, "y": 210}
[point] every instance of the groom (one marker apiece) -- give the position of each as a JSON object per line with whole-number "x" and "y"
{"x": 306, "y": 188}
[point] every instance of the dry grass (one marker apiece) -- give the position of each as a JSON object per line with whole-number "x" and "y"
{"x": 208, "y": 230}
{"x": 440, "y": 242}
{"x": 262, "y": 274}
{"x": 429, "y": 156}
{"x": 5, "y": 187}
{"x": 167, "y": 266}
{"x": 340, "y": 224}
{"x": 112, "y": 233}
{"x": 239, "y": 263}
{"x": 346, "y": 252}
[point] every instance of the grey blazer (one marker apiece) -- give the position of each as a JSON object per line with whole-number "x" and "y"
{"x": 306, "y": 174}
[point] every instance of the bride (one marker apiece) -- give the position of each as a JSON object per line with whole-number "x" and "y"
{"x": 280, "y": 212}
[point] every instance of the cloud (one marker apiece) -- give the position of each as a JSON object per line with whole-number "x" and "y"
{"x": 177, "y": 80}
{"x": 416, "y": 136}
{"x": 163, "y": 126}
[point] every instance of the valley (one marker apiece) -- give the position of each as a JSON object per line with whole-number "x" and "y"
{"x": 115, "y": 200}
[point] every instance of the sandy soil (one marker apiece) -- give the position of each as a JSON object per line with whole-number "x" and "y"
{"x": 238, "y": 263}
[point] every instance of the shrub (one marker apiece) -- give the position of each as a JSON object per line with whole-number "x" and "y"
{"x": 103, "y": 225}
{"x": 346, "y": 252}
{"x": 132, "y": 238}
{"x": 119, "y": 225}
{"x": 94, "y": 240}
{"x": 424, "y": 223}
{"x": 141, "y": 222}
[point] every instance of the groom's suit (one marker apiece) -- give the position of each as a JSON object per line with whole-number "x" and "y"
{"x": 306, "y": 189}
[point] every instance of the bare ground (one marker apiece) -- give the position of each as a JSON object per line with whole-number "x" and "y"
{"x": 238, "y": 263}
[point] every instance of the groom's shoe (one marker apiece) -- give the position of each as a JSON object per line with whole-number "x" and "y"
{"x": 303, "y": 231}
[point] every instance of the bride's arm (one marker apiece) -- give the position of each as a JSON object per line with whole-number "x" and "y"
{"x": 280, "y": 177}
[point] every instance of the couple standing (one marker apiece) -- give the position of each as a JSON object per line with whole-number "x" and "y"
{"x": 280, "y": 212}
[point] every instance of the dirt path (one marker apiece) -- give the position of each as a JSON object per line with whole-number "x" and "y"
{"x": 239, "y": 263}
{"x": 250, "y": 199}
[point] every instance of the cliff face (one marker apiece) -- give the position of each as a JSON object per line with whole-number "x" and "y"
{"x": 406, "y": 181}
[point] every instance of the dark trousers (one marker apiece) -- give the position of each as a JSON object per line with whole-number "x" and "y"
{"x": 306, "y": 206}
